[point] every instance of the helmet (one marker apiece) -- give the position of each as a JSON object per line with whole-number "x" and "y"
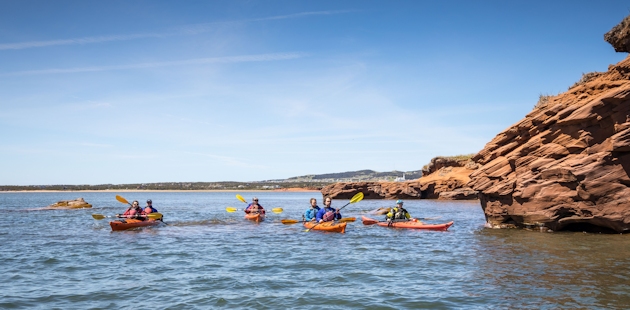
{"x": 399, "y": 202}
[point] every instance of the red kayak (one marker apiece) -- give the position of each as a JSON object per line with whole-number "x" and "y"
{"x": 256, "y": 217}
{"x": 407, "y": 224}
{"x": 131, "y": 223}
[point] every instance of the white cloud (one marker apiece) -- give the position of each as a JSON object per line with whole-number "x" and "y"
{"x": 178, "y": 31}
{"x": 196, "y": 61}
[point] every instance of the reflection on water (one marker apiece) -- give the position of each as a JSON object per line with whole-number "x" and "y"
{"x": 568, "y": 270}
{"x": 206, "y": 257}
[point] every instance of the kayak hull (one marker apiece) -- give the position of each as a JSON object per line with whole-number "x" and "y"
{"x": 327, "y": 226}
{"x": 410, "y": 224}
{"x": 132, "y": 223}
{"x": 258, "y": 217}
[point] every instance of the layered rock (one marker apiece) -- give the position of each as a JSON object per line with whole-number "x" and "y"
{"x": 374, "y": 190}
{"x": 446, "y": 178}
{"x": 619, "y": 36}
{"x": 566, "y": 164}
{"x": 78, "y": 203}
{"x": 443, "y": 178}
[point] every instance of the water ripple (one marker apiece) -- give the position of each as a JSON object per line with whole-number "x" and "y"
{"x": 208, "y": 258}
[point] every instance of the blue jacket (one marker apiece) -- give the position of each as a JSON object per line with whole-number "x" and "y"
{"x": 322, "y": 211}
{"x": 311, "y": 213}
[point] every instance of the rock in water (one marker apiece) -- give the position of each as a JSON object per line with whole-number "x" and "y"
{"x": 565, "y": 165}
{"x": 78, "y": 203}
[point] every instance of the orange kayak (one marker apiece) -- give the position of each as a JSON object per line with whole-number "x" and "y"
{"x": 256, "y": 217}
{"x": 407, "y": 224}
{"x": 132, "y": 223}
{"x": 327, "y": 226}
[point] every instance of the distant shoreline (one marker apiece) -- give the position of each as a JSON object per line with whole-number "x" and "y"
{"x": 291, "y": 190}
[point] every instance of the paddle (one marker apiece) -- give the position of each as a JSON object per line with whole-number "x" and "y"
{"x": 232, "y": 209}
{"x": 239, "y": 197}
{"x": 123, "y": 200}
{"x": 155, "y": 216}
{"x": 341, "y": 220}
{"x": 356, "y": 198}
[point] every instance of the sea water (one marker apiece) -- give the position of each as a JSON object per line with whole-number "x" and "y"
{"x": 208, "y": 258}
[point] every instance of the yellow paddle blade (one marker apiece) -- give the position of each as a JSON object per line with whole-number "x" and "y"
{"x": 288, "y": 221}
{"x": 155, "y": 216}
{"x": 239, "y": 197}
{"x": 356, "y": 198}
{"x": 121, "y": 199}
{"x": 277, "y": 210}
{"x": 347, "y": 219}
{"x": 230, "y": 209}
{"x": 98, "y": 216}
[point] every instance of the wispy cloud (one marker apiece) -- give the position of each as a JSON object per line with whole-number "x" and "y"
{"x": 85, "y": 40}
{"x": 196, "y": 61}
{"x": 302, "y": 14}
{"x": 178, "y": 31}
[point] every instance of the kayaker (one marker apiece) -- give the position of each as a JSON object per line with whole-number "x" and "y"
{"x": 311, "y": 213}
{"x": 133, "y": 212}
{"x": 398, "y": 213}
{"x": 254, "y": 207}
{"x": 149, "y": 208}
{"x": 327, "y": 213}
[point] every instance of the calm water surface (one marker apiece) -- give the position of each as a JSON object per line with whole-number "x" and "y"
{"x": 208, "y": 258}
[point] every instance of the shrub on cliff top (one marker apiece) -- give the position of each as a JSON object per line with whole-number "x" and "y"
{"x": 587, "y": 77}
{"x": 457, "y": 158}
{"x": 542, "y": 100}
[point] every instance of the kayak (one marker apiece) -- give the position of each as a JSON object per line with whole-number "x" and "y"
{"x": 327, "y": 226}
{"x": 407, "y": 224}
{"x": 256, "y": 217}
{"x": 132, "y": 223}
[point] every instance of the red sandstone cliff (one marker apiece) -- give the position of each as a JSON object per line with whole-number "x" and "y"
{"x": 565, "y": 165}
{"x": 443, "y": 178}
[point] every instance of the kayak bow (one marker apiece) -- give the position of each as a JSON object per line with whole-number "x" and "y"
{"x": 407, "y": 224}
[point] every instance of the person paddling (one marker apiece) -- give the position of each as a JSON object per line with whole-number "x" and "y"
{"x": 254, "y": 207}
{"x": 311, "y": 213}
{"x": 327, "y": 213}
{"x": 149, "y": 208}
{"x": 398, "y": 213}
{"x": 133, "y": 212}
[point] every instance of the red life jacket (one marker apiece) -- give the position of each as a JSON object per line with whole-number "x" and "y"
{"x": 328, "y": 216}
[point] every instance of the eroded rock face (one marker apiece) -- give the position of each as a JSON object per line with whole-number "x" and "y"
{"x": 447, "y": 181}
{"x": 374, "y": 190}
{"x": 619, "y": 36}
{"x": 78, "y": 203}
{"x": 566, "y": 164}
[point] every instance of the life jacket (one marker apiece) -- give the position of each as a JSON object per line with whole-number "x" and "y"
{"x": 400, "y": 214}
{"x": 150, "y": 210}
{"x": 249, "y": 210}
{"x": 328, "y": 216}
{"x": 310, "y": 214}
{"x": 133, "y": 213}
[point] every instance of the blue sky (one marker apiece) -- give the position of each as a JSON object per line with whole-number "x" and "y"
{"x": 95, "y": 92}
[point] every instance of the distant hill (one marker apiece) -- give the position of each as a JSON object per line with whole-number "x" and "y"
{"x": 314, "y": 181}
{"x": 362, "y": 175}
